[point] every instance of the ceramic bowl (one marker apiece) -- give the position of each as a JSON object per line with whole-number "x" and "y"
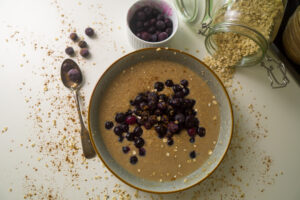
{"x": 167, "y": 10}
{"x": 214, "y": 84}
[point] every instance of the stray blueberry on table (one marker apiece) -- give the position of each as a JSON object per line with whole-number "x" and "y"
{"x": 89, "y": 31}
{"x": 82, "y": 44}
{"x": 84, "y": 52}
{"x": 70, "y": 51}
{"x": 73, "y": 36}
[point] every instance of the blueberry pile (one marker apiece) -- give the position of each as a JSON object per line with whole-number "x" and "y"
{"x": 151, "y": 25}
{"x": 167, "y": 115}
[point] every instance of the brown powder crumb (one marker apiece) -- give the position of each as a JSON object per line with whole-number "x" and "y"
{"x": 4, "y": 130}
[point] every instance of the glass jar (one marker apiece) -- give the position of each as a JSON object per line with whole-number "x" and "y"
{"x": 246, "y": 27}
{"x": 291, "y": 37}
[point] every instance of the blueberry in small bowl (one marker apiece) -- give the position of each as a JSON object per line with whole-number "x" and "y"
{"x": 151, "y": 23}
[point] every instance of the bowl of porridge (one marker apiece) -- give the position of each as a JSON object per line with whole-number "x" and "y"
{"x": 160, "y": 120}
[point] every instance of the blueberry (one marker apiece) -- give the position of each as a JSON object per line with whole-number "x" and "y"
{"x": 129, "y": 112}
{"x": 189, "y": 103}
{"x": 70, "y": 51}
{"x": 169, "y": 83}
{"x": 160, "y": 17}
{"x": 133, "y": 160}
{"x": 130, "y": 119}
{"x": 189, "y": 121}
{"x": 176, "y": 88}
{"x": 152, "y": 96}
{"x": 157, "y": 112}
{"x": 160, "y": 25}
{"x": 152, "y": 21}
{"x": 146, "y": 24}
{"x": 201, "y": 131}
{"x": 121, "y": 138}
{"x": 145, "y": 36}
{"x": 170, "y": 141}
{"x": 180, "y": 118}
{"x": 193, "y": 154}
{"x": 73, "y": 36}
{"x": 153, "y": 37}
{"x": 191, "y": 132}
{"x": 142, "y": 151}
{"x": 162, "y": 36}
{"x": 75, "y": 75}
{"x": 124, "y": 127}
{"x": 139, "y": 35}
{"x": 152, "y": 119}
{"x": 82, "y": 44}
{"x": 144, "y": 106}
{"x": 138, "y": 99}
{"x": 162, "y": 105}
{"x": 139, "y": 142}
{"x": 141, "y": 15}
{"x": 165, "y": 119}
{"x": 159, "y": 86}
{"x": 118, "y": 131}
{"x": 120, "y": 117}
{"x": 161, "y": 130}
{"x": 175, "y": 102}
{"x": 196, "y": 120}
{"x": 155, "y": 12}
{"x": 138, "y": 131}
{"x": 192, "y": 140}
{"x": 169, "y": 31}
{"x": 89, "y": 31}
{"x": 185, "y": 91}
{"x": 139, "y": 24}
{"x": 148, "y": 11}
{"x": 179, "y": 94}
{"x": 173, "y": 128}
{"x": 109, "y": 124}
{"x": 147, "y": 125}
{"x": 184, "y": 83}
{"x": 152, "y": 105}
{"x": 66, "y": 67}
{"x": 168, "y": 22}
{"x": 151, "y": 30}
{"x": 84, "y": 52}
{"x": 129, "y": 136}
{"x": 125, "y": 149}
{"x": 163, "y": 97}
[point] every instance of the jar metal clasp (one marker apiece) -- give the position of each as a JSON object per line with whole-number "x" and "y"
{"x": 270, "y": 65}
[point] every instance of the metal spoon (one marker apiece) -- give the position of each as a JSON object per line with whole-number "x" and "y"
{"x": 71, "y": 76}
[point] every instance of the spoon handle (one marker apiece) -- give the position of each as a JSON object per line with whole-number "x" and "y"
{"x": 87, "y": 146}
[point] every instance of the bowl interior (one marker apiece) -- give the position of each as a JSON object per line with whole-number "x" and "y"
{"x": 215, "y": 85}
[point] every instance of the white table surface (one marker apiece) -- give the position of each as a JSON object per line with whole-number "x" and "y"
{"x": 263, "y": 161}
